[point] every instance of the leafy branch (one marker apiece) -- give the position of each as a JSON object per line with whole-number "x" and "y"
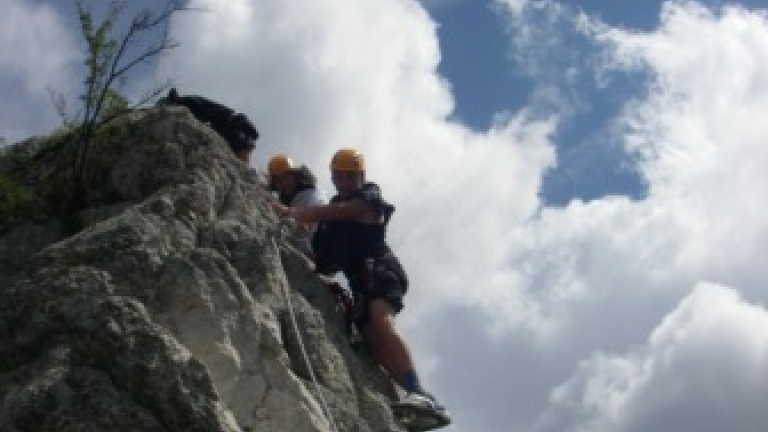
{"x": 110, "y": 58}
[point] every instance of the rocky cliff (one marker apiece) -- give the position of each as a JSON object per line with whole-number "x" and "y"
{"x": 161, "y": 303}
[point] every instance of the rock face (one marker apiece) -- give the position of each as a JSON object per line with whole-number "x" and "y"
{"x": 161, "y": 304}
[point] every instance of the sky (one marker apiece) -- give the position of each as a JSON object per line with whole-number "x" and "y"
{"x": 579, "y": 184}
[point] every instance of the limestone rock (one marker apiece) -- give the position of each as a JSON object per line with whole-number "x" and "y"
{"x": 160, "y": 303}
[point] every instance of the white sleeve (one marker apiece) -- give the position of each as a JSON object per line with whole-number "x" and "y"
{"x": 308, "y": 197}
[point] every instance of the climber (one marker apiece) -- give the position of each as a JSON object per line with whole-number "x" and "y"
{"x": 351, "y": 238}
{"x": 234, "y": 127}
{"x": 295, "y": 187}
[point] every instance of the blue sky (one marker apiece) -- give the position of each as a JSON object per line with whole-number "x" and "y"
{"x": 487, "y": 77}
{"x": 579, "y": 185}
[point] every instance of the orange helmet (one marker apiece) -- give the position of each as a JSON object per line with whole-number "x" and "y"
{"x": 279, "y": 164}
{"x": 348, "y": 160}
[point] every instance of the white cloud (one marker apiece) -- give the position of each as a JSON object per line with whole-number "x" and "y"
{"x": 36, "y": 45}
{"x": 37, "y": 52}
{"x": 599, "y": 276}
{"x": 701, "y": 142}
{"x": 323, "y": 75}
{"x": 316, "y": 75}
{"x": 511, "y": 303}
{"x": 703, "y": 369}
{"x": 701, "y": 134}
{"x": 514, "y": 6}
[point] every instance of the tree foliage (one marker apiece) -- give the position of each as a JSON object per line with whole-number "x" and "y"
{"x": 115, "y": 46}
{"x": 12, "y": 196}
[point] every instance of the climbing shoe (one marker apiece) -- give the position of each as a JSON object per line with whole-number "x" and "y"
{"x": 420, "y": 412}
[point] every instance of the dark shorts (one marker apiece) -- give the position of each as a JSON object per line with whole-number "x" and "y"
{"x": 388, "y": 282}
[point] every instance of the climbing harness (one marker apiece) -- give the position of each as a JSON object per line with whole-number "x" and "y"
{"x": 278, "y": 234}
{"x": 350, "y": 307}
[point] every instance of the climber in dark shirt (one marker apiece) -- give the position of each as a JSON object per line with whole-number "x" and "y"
{"x": 351, "y": 238}
{"x": 234, "y": 127}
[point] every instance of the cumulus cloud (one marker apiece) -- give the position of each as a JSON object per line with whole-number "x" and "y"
{"x": 37, "y": 53}
{"x": 315, "y": 75}
{"x": 601, "y": 275}
{"x": 523, "y": 316}
{"x": 28, "y": 30}
{"x": 700, "y": 136}
{"x": 693, "y": 152}
{"x": 703, "y": 368}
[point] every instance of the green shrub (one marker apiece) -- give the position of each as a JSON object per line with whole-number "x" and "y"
{"x": 12, "y": 199}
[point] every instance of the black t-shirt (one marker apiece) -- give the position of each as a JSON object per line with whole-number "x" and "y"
{"x": 345, "y": 245}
